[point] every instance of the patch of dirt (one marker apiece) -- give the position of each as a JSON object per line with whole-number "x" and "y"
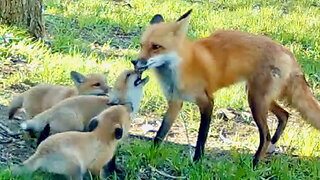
{"x": 14, "y": 148}
{"x": 229, "y": 127}
{"x": 101, "y": 33}
{"x": 219, "y": 134}
{"x": 13, "y": 64}
{"x": 119, "y": 39}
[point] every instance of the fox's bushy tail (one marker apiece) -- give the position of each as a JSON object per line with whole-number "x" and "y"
{"x": 301, "y": 97}
{"x": 15, "y": 104}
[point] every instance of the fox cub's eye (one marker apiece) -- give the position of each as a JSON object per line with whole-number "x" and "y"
{"x": 96, "y": 84}
{"x": 156, "y": 47}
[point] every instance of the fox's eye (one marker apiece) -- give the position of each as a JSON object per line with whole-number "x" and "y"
{"x": 96, "y": 84}
{"x": 156, "y": 47}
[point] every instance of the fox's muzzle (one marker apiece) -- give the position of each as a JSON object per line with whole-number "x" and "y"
{"x": 134, "y": 62}
{"x": 139, "y": 65}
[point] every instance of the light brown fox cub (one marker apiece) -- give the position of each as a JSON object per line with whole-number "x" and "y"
{"x": 193, "y": 71}
{"x": 73, "y": 114}
{"x": 73, "y": 153}
{"x": 44, "y": 96}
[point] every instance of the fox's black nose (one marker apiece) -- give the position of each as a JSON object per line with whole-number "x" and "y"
{"x": 134, "y": 62}
{"x": 107, "y": 89}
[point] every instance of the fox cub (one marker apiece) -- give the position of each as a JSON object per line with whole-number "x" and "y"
{"x": 44, "y": 96}
{"x": 73, "y": 153}
{"x": 73, "y": 114}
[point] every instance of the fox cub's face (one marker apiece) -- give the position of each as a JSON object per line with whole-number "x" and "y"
{"x": 128, "y": 88}
{"x": 160, "y": 38}
{"x": 91, "y": 84}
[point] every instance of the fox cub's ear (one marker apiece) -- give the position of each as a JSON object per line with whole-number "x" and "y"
{"x": 157, "y": 19}
{"x": 118, "y": 133}
{"x": 93, "y": 125}
{"x": 77, "y": 78}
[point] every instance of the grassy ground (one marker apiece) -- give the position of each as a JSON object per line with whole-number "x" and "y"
{"x": 99, "y": 35}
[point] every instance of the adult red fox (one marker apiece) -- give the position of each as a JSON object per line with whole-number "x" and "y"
{"x": 193, "y": 71}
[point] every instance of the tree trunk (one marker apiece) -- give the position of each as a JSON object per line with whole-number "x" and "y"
{"x": 23, "y": 12}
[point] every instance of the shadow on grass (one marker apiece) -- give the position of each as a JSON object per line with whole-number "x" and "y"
{"x": 67, "y": 35}
{"x": 176, "y": 160}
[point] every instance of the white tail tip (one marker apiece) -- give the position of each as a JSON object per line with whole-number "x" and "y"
{"x": 24, "y": 125}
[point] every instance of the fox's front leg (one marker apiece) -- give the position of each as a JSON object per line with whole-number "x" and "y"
{"x": 205, "y": 104}
{"x": 44, "y": 134}
{"x": 109, "y": 168}
{"x": 174, "y": 107}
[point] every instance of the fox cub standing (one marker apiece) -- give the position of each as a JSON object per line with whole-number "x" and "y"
{"x": 44, "y": 96}
{"x": 73, "y": 153}
{"x": 73, "y": 114}
{"x": 193, "y": 71}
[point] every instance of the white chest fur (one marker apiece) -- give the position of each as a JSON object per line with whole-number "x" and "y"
{"x": 166, "y": 67}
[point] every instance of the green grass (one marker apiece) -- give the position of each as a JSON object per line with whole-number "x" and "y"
{"x": 73, "y": 26}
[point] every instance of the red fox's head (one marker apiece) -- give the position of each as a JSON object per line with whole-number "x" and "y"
{"x": 161, "y": 38}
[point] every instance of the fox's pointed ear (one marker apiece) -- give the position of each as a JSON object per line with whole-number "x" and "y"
{"x": 93, "y": 124}
{"x": 183, "y": 22}
{"x": 185, "y": 15}
{"x": 157, "y": 19}
{"x": 77, "y": 78}
{"x": 118, "y": 133}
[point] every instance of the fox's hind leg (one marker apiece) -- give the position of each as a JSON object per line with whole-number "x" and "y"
{"x": 264, "y": 87}
{"x": 109, "y": 168}
{"x": 282, "y": 116}
{"x": 44, "y": 134}
{"x": 259, "y": 108}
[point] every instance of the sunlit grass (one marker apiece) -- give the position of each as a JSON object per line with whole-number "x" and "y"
{"x": 73, "y": 26}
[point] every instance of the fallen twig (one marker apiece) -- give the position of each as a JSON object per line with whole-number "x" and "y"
{"x": 222, "y": 135}
{"x": 6, "y": 141}
{"x": 9, "y": 132}
{"x": 165, "y": 174}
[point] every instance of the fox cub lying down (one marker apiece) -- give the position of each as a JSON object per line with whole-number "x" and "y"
{"x": 44, "y": 96}
{"x": 73, "y": 114}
